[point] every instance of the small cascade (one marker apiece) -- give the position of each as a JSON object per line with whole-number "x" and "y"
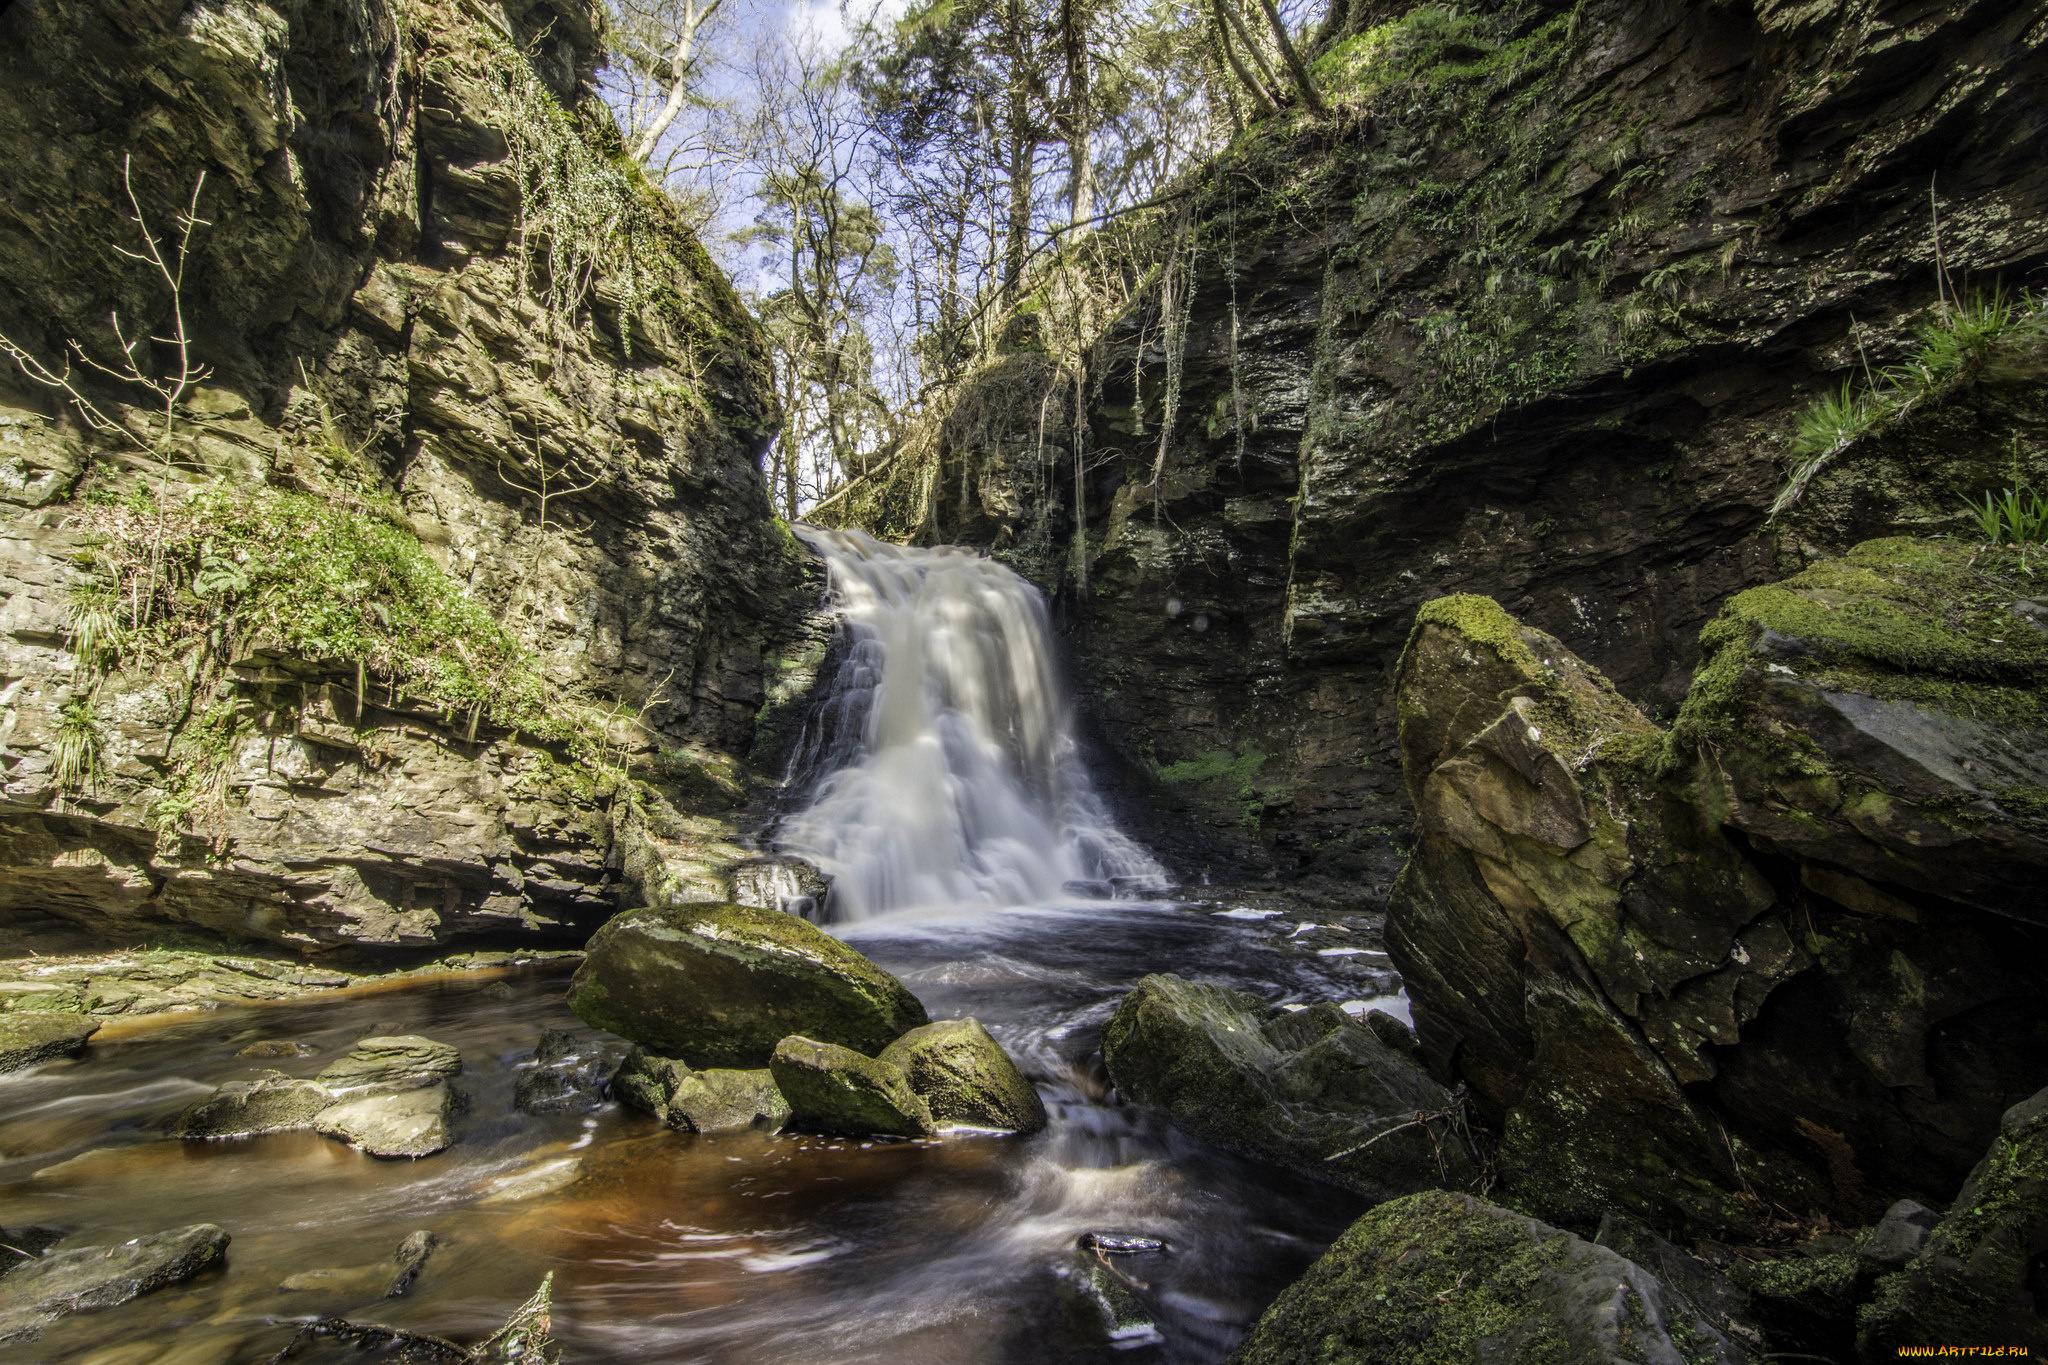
{"x": 941, "y": 764}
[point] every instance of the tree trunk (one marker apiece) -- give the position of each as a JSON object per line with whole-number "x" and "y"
{"x": 1302, "y": 82}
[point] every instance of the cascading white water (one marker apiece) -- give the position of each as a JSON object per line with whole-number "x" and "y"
{"x": 945, "y": 768}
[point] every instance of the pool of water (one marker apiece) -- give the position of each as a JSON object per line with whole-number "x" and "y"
{"x": 741, "y": 1249}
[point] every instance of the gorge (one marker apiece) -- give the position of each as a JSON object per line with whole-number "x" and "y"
{"x": 1436, "y": 747}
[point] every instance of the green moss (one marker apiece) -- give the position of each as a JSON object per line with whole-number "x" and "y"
{"x": 1419, "y": 1280}
{"x": 1482, "y": 620}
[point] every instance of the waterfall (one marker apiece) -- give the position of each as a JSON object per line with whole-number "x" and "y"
{"x": 941, "y": 762}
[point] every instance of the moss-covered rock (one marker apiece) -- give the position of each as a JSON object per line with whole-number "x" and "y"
{"x": 1313, "y": 1091}
{"x": 1886, "y": 714}
{"x": 29, "y": 1038}
{"x": 272, "y": 1103}
{"x": 841, "y": 1091}
{"x": 1676, "y": 1021}
{"x": 964, "y": 1077}
{"x": 1982, "y": 1276}
{"x": 387, "y": 1065}
{"x": 720, "y": 985}
{"x": 1445, "y": 1279}
{"x": 715, "y": 1101}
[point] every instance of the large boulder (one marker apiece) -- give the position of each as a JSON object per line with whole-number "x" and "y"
{"x": 720, "y": 985}
{"x": 27, "y": 1039}
{"x": 1446, "y": 1277}
{"x": 1313, "y": 1091}
{"x": 965, "y": 1078}
{"x": 1666, "y": 1018}
{"x": 37, "y": 1291}
{"x": 1979, "y": 1276}
{"x": 715, "y": 1101}
{"x": 840, "y": 1091}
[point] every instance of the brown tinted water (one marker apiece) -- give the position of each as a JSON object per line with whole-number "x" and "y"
{"x": 749, "y": 1249}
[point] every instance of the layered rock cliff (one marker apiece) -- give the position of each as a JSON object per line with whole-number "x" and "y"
{"x": 1531, "y": 315}
{"x": 396, "y": 567}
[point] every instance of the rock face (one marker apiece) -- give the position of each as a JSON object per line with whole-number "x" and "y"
{"x": 83, "y": 1278}
{"x": 26, "y": 1039}
{"x": 1744, "y": 960}
{"x": 1446, "y": 1277}
{"x": 721, "y": 985}
{"x": 964, "y": 1077}
{"x": 1314, "y": 1091}
{"x": 577, "y": 477}
{"x": 715, "y": 1101}
{"x": 841, "y": 1091}
{"x": 1978, "y": 1277}
{"x": 1531, "y": 315}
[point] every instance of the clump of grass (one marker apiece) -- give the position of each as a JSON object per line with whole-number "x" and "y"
{"x": 92, "y": 614}
{"x": 79, "y": 748}
{"x": 2018, "y": 516}
{"x": 1953, "y": 352}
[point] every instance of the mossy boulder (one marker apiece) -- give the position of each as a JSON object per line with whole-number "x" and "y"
{"x": 1885, "y": 714}
{"x": 715, "y": 1101}
{"x": 720, "y": 985}
{"x": 1983, "y": 1272}
{"x": 1439, "y": 1277}
{"x": 839, "y": 1090}
{"x": 1665, "y": 1017}
{"x": 1307, "y": 1091}
{"x": 29, "y": 1038}
{"x": 964, "y": 1077}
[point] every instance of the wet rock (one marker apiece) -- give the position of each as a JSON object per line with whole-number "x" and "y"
{"x": 1982, "y": 1274}
{"x": 568, "y": 1076}
{"x": 964, "y": 1077}
{"x": 1899, "y": 1235}
{"x": 1477, "y": 1283}
{"x": 721, "y": 985}
{"x": 542, "y": 1177}
{"x": 405, "y": 1062}
{"x": 1120, "y": 1244}
{"x": 272, "y": 1103}
{"x": 352, "y": 1282}
{"x": 83, "y": 1278}
{"x": 278, "y": 1047}
{"x": 1112, "y": 1298}
{"x": 1306, "y": 1090}
{"x": 780, "y": 882}
{"x": 720, "y": 1100}
{"x": 28, "y": 1039}
{"x": 408, "y": 1123}
{"x": 839, "y": 1090}
{"x": 411, "y": 1257}
{"x": 1395, "y": 1033}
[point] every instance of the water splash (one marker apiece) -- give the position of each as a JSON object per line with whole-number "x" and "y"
{"x": 943, "y": 763}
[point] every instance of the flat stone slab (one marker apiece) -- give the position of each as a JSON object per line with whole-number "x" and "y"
{"x": 411, "y": 1123}
{"x": 27, "y": 1039}
{"x": 84, "y": 1278}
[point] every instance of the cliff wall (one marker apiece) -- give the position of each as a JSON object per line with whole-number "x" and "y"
{"x": 1531, "y": 315}
{"x": 409, "y": 577}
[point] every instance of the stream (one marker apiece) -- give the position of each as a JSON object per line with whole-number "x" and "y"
{"x": 972, "y": 858}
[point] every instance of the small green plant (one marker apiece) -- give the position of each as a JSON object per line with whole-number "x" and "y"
{"x": 1954, "y": 350}
{"x": 2018, "y": 516}
{"x": 92, "y": 613}
{"x": 79, "y": 747}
